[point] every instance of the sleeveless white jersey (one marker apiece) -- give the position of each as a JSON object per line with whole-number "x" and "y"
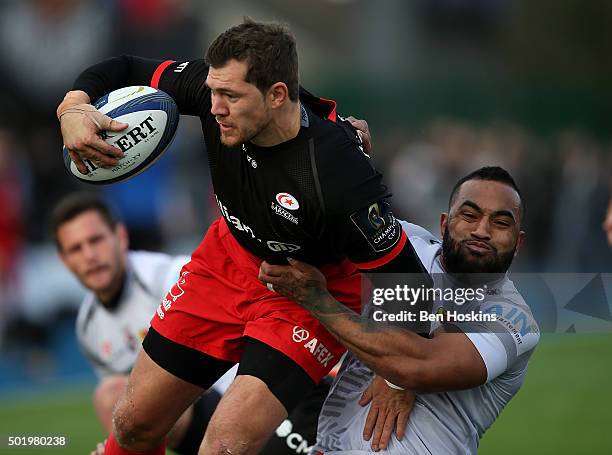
{"x": 441, "y": 423}
{"x": 111, "y": 338}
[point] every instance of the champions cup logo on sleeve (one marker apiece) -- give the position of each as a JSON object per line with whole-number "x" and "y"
{"x": 374, "y": 216}
{"x": 378, "y": 225}
{"x": 173, "y": 295}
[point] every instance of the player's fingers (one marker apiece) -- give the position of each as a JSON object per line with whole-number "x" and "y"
{"x": 366, "y": 396}
{"x": 114, "y": 125}
{"x": 271, "y": 270}
{"x": 98, "y": 158}
{"x": 104, "y": 122}
{"x": 100, "y": 144}
{"x": 359, "y": 125}
{"x": 279, "y": 284}
{"x": 387, "y": 431}
{"x": 302, "y": 270}
{"x": 301, "y": 266}
{"x": 366, "y": 140}
{"x": 370, "y": 421}
{"x": 363, "y": 131}
{"x": 378, "y": 429}
{"x": 400, "y": 427}
{"x": 78, "y": 162}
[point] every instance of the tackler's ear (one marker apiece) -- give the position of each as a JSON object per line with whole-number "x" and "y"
{"x": 443, "y": 223}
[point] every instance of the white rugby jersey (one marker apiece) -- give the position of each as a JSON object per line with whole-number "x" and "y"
{"x": 111, "y": 338}
{"x": 450, "y": 422}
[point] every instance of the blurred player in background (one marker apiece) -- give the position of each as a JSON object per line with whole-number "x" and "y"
{"x": 125, "y": 289}
{"x": 467, "y": 372}
{"x": 607, "y": 224}
{"x": 289, "y": 175}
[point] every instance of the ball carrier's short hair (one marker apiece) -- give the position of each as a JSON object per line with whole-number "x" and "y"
{"x": 75, "y": 204}
{"x": 268, "y": 49}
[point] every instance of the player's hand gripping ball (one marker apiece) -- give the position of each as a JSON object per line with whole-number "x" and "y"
{"x": 152, "y": 117}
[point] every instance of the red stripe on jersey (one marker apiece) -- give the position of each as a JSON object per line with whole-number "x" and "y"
{"x": 333, "y": 105}
{"x": 387, "y": 258}
{"x": 158, "y": 72}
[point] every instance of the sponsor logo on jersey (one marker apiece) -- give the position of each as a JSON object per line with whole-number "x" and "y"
{"x": 287, "y": 201}
{"x": 175, "y": 292}
{"x": 284, "y": 213}
{"x": 316, "y": 348}
{"x": 525, "y": 332}
{"x": 279, "y": 246}
{"x": 294, "y": 441}
{"x": 234, "y": 221}
{"x": 300, "y": 334}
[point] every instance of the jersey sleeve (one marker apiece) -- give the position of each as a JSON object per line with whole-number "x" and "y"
{"x": 512, "y": 335}
{"x": 183, "y": 81}
{"x": 359, "y": 219}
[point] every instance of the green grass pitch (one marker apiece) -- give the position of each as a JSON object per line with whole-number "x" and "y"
{"x": 565, "y": 407}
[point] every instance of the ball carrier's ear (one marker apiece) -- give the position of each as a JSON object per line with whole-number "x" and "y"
{"x": 277, "y": 95}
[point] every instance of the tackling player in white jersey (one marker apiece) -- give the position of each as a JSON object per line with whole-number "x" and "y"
{"x": 466, "y": 372}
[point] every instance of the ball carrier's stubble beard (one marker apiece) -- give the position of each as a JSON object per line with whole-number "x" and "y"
{"x": 456, "y": 262}
{"x": 245, "y": 136}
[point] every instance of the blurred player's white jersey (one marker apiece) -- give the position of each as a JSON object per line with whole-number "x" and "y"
{"x": 441, "y": 423}
{"x": 111, "y": 338}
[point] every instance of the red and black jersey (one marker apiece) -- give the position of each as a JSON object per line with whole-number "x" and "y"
{"x": 316, "y": 197}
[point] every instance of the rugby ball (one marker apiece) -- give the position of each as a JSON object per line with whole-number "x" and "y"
{"x": 152, "y": 118}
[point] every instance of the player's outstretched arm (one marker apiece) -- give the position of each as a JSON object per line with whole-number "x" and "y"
{"x": 448, "y": 361}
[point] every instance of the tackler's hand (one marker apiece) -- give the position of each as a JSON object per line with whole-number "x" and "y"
{"x": 363, "y": 131}
{"x": 389, "y": 410}
{"x": 297, "y": 281}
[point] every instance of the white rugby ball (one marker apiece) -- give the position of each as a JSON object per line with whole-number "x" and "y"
{"x": 152, "y": 118}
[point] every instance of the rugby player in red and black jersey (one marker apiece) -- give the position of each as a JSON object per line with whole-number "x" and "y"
{"x": 290, "y": 177}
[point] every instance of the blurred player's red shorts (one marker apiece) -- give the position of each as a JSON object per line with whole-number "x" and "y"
{"x": 218, "y": 301}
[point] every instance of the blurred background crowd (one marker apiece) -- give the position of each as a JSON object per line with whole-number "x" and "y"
{"x": 447, "y": 86}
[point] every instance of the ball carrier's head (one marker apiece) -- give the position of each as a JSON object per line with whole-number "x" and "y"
{"x": 253, "y": 78}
